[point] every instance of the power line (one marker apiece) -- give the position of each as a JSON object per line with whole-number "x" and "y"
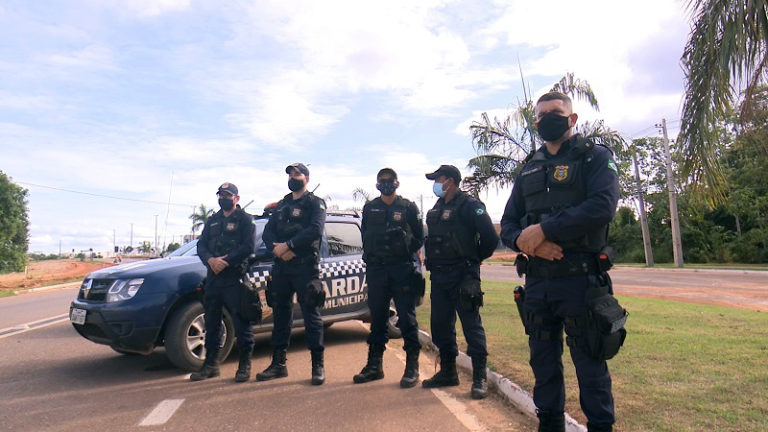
{"x": 105, "y": 196}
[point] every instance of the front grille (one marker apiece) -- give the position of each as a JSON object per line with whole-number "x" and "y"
{"x": 98, "y": 291}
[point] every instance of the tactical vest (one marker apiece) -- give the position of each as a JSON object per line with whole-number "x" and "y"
{"x": 387, "y": 233}
{"x": 555, "y": 184}
{"x": 292, "y": 217}
{"x": 448, "y": 237}
{"x": 224, "y": 236}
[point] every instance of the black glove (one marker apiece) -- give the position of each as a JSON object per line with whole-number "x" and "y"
{"x": 314, "y": 296}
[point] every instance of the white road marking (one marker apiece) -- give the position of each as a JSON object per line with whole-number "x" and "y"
{"x": 33, "y": 325}
{"x": 162, "y": 412}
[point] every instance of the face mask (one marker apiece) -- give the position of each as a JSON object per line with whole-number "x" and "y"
{"x": 552, "y": 126}
{"x": 386, "y": 187}
{"x": 295, "y": 184}
{"x": 437, "y": 188}
{"x": 226, "y": 204}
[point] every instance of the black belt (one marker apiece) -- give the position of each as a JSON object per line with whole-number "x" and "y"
{"x": 565, "y": 267}
{"x": 374, "y": 261}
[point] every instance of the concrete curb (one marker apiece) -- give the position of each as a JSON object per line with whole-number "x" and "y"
{"x": 49, "y": 287}
{"x": 508, "y": 389}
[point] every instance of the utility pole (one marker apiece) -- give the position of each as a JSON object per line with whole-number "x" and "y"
{"x": 677, "y": 247}
{"x": 131, "y": 236}
{"x": 643, "y": 216}
{"x": 59, "y": 248}
{"x": 421, "y": 205}
{"x": 114, "y": 240}
{"x": 156, "y": 251}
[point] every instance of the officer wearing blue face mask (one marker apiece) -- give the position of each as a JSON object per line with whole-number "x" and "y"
{"x": 460, "y": 236}
{"x": 392, "y": 234}
{"x": 558, "y": 214}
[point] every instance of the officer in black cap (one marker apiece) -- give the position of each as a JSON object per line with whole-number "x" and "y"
{"x": 293, "y": 234}
{"x": 225, "y": 244}
{"x": 460, "y": 236}
{"x": 392, "y": 233}
{"x": 558, "y": 214}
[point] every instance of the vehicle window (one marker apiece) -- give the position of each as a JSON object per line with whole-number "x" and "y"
{"x": 343, "y": 238}
{"x": 186, "y": 249}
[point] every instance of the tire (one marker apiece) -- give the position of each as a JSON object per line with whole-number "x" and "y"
{"x": 185, "y": 337}
{"x": 392, "y": 331}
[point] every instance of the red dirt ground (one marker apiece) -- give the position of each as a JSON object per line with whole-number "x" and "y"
{"x": 41, "y": 273}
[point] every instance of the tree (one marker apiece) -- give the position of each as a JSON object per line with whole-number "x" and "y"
{"x": 145, "y": 247}
{"x": 727, "y": 50}
{"x": 502, "y": 145}
{"x": 200, "y": 216}
{"x": 172, "y": 247}
{"x": 14, "y": 225}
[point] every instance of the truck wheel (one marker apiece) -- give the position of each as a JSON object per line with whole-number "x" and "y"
{"x": 392, "y": 331}
{"x": 185, "y": 337}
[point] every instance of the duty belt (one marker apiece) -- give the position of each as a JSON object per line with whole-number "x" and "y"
{"x": 374, "y": 261}
{"x": 544, "y": 269}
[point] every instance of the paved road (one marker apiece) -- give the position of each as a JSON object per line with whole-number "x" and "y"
{"x": 736, "y": 288}
{"x": 51, "y": 379}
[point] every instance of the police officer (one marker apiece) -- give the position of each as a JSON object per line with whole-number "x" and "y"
{"x": 225, "y": 244}
{"x": 392, "y": 233}
{"x": 460, "y": 236}
{"x": 558, "y": 215}
{"x": 293, "y": 234}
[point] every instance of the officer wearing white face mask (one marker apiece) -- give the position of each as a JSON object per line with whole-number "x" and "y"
{"x": 460, "y": 236}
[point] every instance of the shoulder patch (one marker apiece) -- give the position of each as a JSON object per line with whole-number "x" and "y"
{"x": 612, "y": 165}
{"x": 479, "y": 211}
{"x": 322, "y": 204}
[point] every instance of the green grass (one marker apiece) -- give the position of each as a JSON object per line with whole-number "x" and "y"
{"x": 684, "y": 367}
{"x": 8, "y": 293}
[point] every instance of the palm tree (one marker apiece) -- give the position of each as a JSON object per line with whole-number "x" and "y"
{"x": 727, "y": 51}
{"x": 200, "y": 216}
{"x": 502, "y": 145}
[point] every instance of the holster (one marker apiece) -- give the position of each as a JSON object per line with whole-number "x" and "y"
{"x": 603, "y": 325}
{"x": 269, "y": 293}
{"x": 418, "y": 286}
{"x": 250, "y": 303}
{"x": 521, "y": 264}
{"x": 314, "y": 295}
{"x": 520, "y": 302}
{"x": 470, "y": 295}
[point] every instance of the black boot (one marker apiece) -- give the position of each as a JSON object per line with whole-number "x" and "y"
{"x": 591, "y": 427}
{"x": 243, "y": 373}
{"x": 276, "y": 369}
{"x": 447, "y": 376}
{"x": 479, "y": 378}
{"x": 318, "y": 369}
{"x": 210, "y": 367}
{"x": 411, "y": 374}
{"x": 550, "y": 421}
{"x": 373, "y": 369}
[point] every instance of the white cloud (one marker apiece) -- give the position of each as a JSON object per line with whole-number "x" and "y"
{"x": 152, "y": 8}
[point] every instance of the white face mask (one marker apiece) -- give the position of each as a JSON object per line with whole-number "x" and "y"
{"x": 437, "y": 188}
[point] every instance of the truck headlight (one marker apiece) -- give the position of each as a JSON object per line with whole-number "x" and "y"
{"x": 123, "y": 289}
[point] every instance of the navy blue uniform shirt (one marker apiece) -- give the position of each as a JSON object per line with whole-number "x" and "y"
{"x": 303, "y": 240}
{"x": 602, "y": 192}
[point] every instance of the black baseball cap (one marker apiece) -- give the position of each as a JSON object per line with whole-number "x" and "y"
{"x": 449, "y": 171}
{"x": 229, "y": 187}
{"x": 298, "y": 166}
{"x": 387, "y": 171}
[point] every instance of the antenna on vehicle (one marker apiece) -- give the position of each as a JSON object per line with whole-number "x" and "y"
{"x": 313, "y": 190}
{"x": 245, "y": 206}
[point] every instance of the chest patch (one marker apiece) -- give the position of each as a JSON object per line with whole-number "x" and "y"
{"x": 397, "y": 216}
{"x": 561, "y": 172}
{"x": 296, "y": 212}
{"x": 446, "y": 215}
{"x": 231, "y": 226}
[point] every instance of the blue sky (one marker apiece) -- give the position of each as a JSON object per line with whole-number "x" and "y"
{"x": 161, "y": 101}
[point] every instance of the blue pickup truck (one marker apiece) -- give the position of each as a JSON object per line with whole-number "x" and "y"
{"x": 136, "y": 307}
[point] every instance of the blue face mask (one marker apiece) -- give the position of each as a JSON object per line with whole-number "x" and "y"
{"x": 437, "y": 188}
